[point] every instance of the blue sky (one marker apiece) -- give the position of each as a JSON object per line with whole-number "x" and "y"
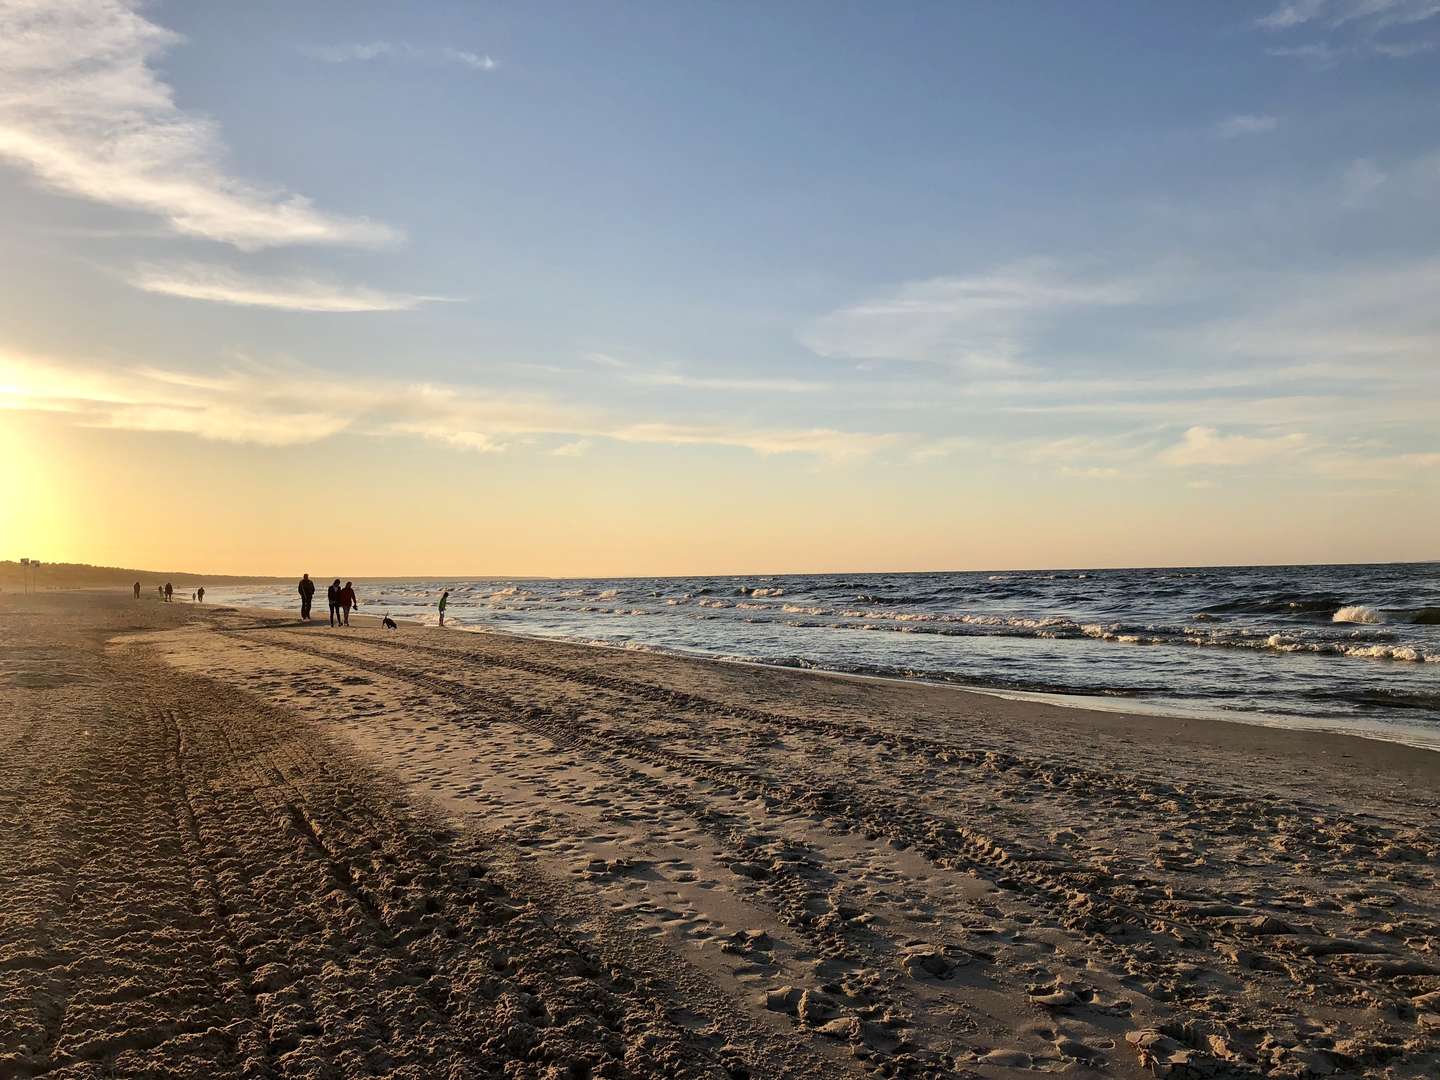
{"x": 1020, "y": 257}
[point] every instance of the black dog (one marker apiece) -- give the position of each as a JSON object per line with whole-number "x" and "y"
{"x": 388, "y": 623}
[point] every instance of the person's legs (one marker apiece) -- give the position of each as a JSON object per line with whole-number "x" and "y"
{"x": 347, "y": 616}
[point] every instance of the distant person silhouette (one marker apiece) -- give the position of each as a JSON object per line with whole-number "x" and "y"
{"x": 169, "y": 591}
{"x": 307, "y": 592}
{"x": 200, "y": 594}
{"x": 346, "y": 598}
{"x": 137, "y": 590}
{"x": 444, "y": 596}
{"x": 333, "y": 592}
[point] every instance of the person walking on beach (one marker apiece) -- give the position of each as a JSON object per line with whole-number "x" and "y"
{"x": 200, "y": 594}
{"x": 333, "y": 592}
{"x": 137, "y": 590}
{"x": 307, "y": 592}
{"x": 347, "y": 599}
{"x": 444, "y": 596}
{"x": 169, "y": 591}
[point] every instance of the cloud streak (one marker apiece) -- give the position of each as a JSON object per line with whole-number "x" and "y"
{"x": 85, "y": 114}
{"x": 365, "y": 52}
{"x": 1235, "y": 127}
{"x": 1349, "y": 27}
{"x": 979, "y": 323}
{"x": 221, "y": 285}
{"x": 1207, "y": 446}
{"x": 272, "y": 406}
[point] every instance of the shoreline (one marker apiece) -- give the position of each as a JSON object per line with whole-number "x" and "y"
{"x": 1087, "y": 705}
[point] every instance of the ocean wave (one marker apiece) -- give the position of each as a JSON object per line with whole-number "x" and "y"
{"x": 1357, "y": 613}
{"x": 1305, "y": 603}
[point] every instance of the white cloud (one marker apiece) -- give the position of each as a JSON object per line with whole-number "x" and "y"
{"x": 1207, "y": 446}
{"x": 1349, "y": 28}
{"x": 578, "y": 448}
{"x": 1364, "y": 15}
{"x": 364, "y": 52}
{"x": 221, "y": 285}
{"x": 289, "y": 406}
{"x": 1317, "y": 53}
{"x": 1403, "y": 50}
{"x": 84, "y": 113}
{"x": 1345, "y": 464}
{"x": 1090, "y": 472}
{"x": 980, "y": 323}
{"x": 822, "y": 442}
{"x": 1362, "y": 179}
{"x": 1234, "y": 127}
{"x": 757, "y": 384}
{"x": 1291, "y": 15}
{"x": 944, "y": 447}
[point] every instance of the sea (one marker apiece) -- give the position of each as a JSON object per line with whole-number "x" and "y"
{"x": 1337, "y": 648}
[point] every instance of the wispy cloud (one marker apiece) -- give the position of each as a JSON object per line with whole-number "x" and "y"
{"x": 364, "y": 52}
{"x": 1290, "y": 15}
{"x": 1233, "y": 127}
{"x": 740, "y": 384}
{"x": 222, "y": 285}
{"x": 638, "y": 374}
{"x": 82, "y": 111}
{"x": 1403, "y": 50}
{"x": 1315, "y": 53}
{"x": 1364, "y": 14}
{"x": 276, "y": 406}
{"x": 980, "y": 323}
{"x": 1362, "y": 179}
{"x": 1207, "y": 446}
{"x": 1349, "y": 28}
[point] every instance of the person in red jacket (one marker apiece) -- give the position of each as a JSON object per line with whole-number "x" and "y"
{"x": 347, "y": 599}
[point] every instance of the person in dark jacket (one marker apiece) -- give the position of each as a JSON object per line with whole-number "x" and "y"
{"x": 347, "y": 599}
{"x": 169, "y": 591}
{"x": 333, "y": 593}
{"x": 307, "y": 593}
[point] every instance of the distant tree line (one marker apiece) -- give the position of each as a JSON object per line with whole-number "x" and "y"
{"x": 83, "y": 576}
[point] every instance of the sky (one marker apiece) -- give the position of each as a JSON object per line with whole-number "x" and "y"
{"x": 653, "y": 288}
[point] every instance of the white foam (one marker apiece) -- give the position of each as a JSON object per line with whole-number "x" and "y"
{"x": 1358, "y": 613}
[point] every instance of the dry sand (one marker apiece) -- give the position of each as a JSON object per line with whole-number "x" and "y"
{"x": 233, "y": 845}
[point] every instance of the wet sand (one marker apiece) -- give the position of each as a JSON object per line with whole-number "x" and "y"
{"x": 234, "y": 845}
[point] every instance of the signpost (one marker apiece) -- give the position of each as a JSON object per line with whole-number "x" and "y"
{"x": 25, "y": 575}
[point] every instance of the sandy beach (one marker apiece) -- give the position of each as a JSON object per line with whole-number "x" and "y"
{"x": 233, "y": 844}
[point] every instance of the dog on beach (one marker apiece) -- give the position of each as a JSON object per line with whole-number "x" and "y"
{"x": 388, "y": 623}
